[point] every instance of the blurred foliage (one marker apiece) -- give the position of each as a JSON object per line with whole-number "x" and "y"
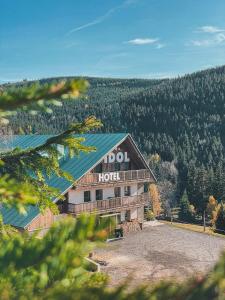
{"x": 54, "y": 267}
{"x": 24, "y": 171}
{"x": 6, "y": 231}
{"x": 35, "y": 97}
{"x": 31, "y": 268}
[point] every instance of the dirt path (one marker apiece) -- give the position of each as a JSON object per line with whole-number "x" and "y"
{"x": 159, "y": 252}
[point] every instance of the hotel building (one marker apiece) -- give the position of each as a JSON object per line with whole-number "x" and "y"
{"x": 113, "y": 180}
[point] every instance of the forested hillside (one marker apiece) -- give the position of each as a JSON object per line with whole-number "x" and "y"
{"x": 182, "y": 119}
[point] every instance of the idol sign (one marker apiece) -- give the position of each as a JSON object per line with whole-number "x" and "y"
{"x": 116, "y": 157}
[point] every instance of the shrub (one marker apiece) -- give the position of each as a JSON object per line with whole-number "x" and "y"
{"x": 150, "y": 215}
{"x": 220, "y": 220}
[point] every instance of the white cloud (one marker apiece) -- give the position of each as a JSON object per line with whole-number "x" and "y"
{"x": 215, "y": 36}
{"x": 210, "y": 29}
{"x": 201, "y": 43}
{"x": 142, "y": 41}
{"x": 216, "y": 40}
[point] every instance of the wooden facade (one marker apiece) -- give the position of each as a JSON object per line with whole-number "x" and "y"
{"x": 42, "y": 221}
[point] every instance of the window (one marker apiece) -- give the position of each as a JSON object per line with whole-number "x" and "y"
{"x": 127, "y": 191}
{"x": 117, "y": 191}
{"x": 87, "y": 196}
{"x": 98, "y": 194}
{"x": 146, "y": 188}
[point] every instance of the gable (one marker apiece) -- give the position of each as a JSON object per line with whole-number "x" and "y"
{"x": 125, "y": 155}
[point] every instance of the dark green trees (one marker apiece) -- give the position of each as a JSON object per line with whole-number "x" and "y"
{"x": 186, "y": 212}
{"x": 181, "y": 119}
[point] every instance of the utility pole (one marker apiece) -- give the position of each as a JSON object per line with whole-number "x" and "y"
{"x": 204, "y": 219}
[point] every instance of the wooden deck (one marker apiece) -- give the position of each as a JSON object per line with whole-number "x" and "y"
{"x": 109, "y": 205}
{"x": 116, "y": 177}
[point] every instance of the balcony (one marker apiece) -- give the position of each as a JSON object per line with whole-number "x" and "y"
{"x": 109, "y": 205}
{"x": 112, "y": 177}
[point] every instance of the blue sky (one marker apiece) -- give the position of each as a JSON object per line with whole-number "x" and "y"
{"x": 110, "y": 38}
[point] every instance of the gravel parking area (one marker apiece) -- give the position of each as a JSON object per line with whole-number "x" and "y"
{"x": 159, "y": 251}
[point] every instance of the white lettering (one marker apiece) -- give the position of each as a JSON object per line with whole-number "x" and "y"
{"x": 101, "y": 177}
{"x": 119, "y": 157}
{"x": 111, "y": 158}
{"x": 126, "y": 158}
{"x": 105, "y": 177}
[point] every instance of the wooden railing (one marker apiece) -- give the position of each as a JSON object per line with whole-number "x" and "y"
{"x": 112, "y": 204}
{"x": 120, "y": 176}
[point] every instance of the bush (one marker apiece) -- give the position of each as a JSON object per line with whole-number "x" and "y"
{"x": 150, "y": 215}
{"x": 220, "y": 220}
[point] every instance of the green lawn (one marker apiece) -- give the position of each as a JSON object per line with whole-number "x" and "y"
{"x": 194, "y": 227}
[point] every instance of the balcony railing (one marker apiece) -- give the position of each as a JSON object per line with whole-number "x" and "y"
{"x": 120, "y": 176}
{"x": 113, "y": 204}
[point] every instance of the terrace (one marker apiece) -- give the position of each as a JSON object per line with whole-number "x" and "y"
{"x": 119, "y": 176}
{"x": 109, "y": 205}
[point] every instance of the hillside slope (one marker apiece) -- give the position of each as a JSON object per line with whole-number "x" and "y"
{"x": 181, "y": 119}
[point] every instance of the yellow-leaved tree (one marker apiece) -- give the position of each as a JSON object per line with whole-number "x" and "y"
{"x": 212, "y": 209}
{"x": 155, "y": 199}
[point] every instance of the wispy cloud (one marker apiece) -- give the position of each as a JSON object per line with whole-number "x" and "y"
{"x": 210, "y": 29}
{"x": 160, "y": 46}
{"x": 146, "y": 41}
{"x": 158, "y": 75}
{"x": 142, "y": 41}
{"x": 214, "y": 36}
{"x": 102, "y": 18}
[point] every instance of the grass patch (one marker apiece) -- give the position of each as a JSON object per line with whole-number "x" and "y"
{"x": 194, "y": 227}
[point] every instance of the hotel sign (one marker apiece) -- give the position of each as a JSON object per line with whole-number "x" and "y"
{"x": 105, "y": 177}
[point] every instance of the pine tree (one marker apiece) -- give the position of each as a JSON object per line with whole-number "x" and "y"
{"x": 185, "y": 213}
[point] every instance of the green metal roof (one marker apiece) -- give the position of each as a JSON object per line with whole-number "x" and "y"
{"x": 76, "y": 166}
{"x": 13, "y": 217}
